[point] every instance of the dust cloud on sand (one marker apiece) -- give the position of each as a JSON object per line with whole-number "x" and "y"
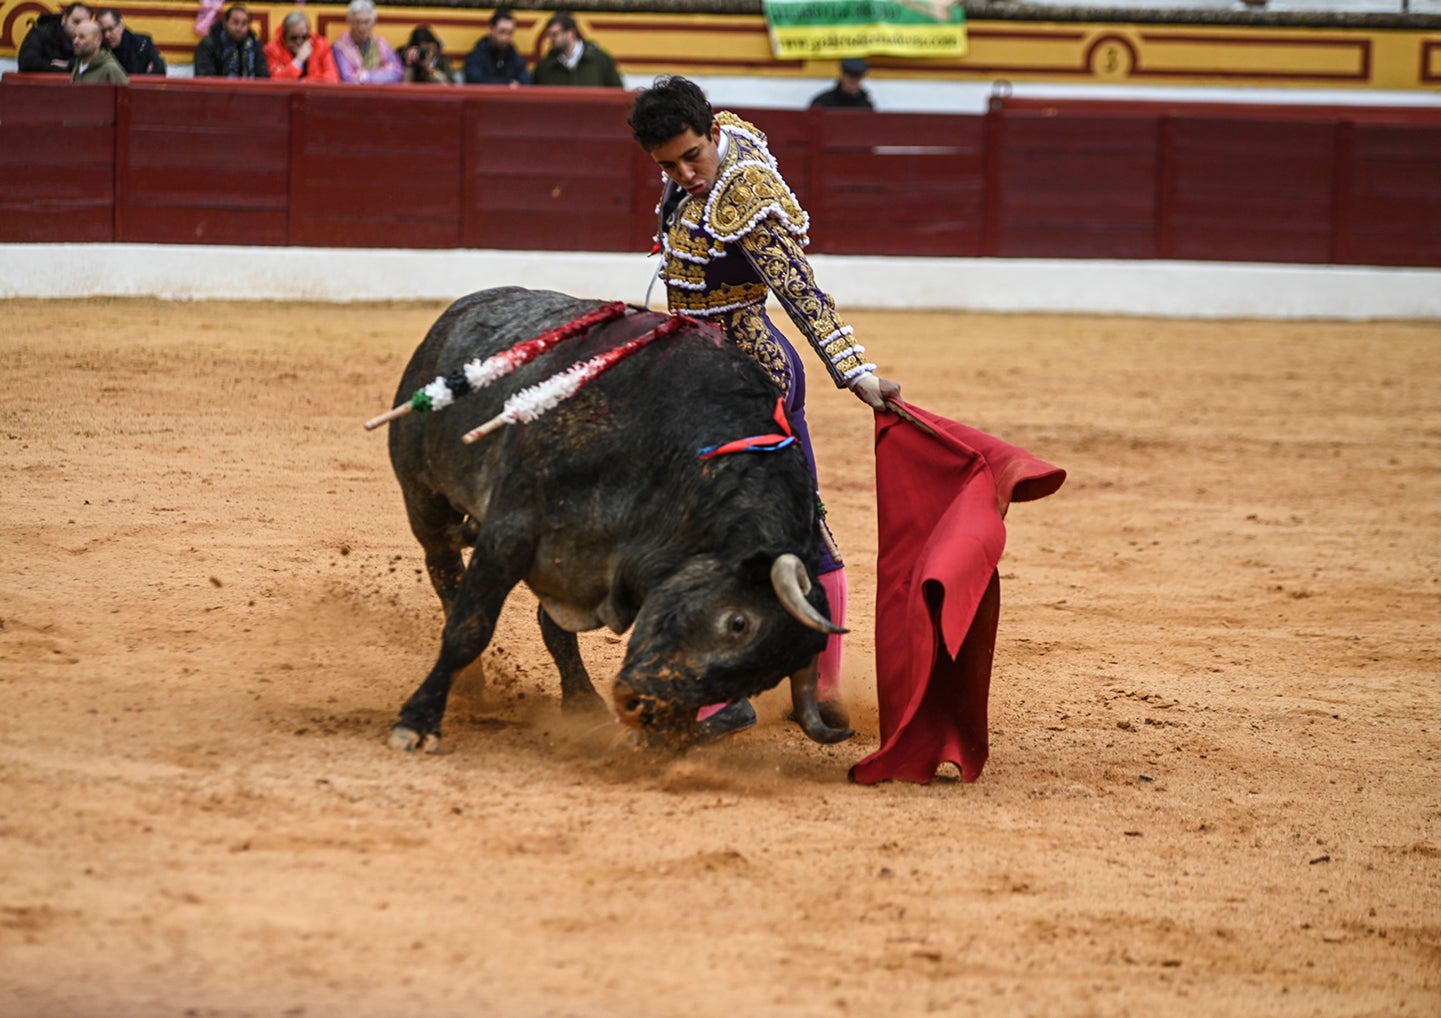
{"x": 1214, "y": 785}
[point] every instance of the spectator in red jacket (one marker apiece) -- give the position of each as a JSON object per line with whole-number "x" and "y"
{"x": 298, "y": 54}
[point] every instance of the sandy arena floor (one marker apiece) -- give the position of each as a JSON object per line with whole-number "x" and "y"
{"x": 1215, "y": 780}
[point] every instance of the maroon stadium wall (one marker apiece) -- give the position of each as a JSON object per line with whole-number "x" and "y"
{"x": 208, "y": 162}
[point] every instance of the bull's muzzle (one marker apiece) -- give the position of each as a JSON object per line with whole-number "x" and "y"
{"x": 660, "y": 720}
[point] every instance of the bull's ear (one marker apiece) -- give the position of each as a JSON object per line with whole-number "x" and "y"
{"x": 755, "y": 569}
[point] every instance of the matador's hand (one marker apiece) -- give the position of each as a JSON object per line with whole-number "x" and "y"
{"x": 874, "y": 390}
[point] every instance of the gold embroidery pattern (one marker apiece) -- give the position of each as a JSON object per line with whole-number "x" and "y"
{"x": 749, "y": 194}
{"x": 688, "y": 240}
{"x": 728, "y": 119}
{"x": 749, "y": 329}
{"x": 782, "y": 264}
{"x": 717, "y": 300}
{"x": 748, "y": 188}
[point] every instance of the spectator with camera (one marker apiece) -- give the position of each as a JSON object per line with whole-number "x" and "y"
{"x": 424, "y": 58}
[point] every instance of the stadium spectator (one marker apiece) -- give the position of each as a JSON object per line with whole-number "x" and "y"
{"x": 573, "y": 60}
{"x": 847, "y": 94}
{"x": 231, "y": 50}
{"x": 49, "y": 46}
{"x": 135, "y": 52}
{"x": 495, "y": 60}
{"x": 94, "y": 64}
{"x": 298, "y": 54}
{"x": 424, "y": 58}
{"x": 361, "y": 56}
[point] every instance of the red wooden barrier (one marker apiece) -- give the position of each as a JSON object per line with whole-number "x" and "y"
{"x": 199, "y": 163}
{"x": 902, "y": 184}
{"x": 376, "y": 167}
{"x": 1388, "y": 195}
{"x": 1293, "y": 183}
{"x": 57, "y": 162}
{"x": 1078, "y": 186}
{"x": 550, "y": 169}
{"x": 1248, "y": 190}
{"x": 217, "y": 162}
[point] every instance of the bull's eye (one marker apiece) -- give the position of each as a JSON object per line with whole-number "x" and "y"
{"x": 737, "y": 624}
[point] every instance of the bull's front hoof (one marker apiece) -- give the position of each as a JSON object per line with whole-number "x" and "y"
{"x": 832, "y": 736}
{"x": 832, "y": 712}
{"x": 586, "y": 704}
{"x": 407, "y": 740}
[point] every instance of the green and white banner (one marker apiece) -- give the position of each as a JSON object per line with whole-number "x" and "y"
{"x": 820, "y": 29}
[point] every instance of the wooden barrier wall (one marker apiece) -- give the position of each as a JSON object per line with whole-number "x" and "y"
{"x": 210, "y": 162}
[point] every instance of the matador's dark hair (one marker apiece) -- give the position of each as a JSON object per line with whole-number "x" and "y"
{"x": 666, "y": 109}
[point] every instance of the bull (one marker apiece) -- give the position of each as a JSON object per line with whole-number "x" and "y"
{"x": 604, "y": 508}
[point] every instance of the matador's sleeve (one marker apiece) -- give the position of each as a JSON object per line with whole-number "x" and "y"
{"x": 784, "y": 268}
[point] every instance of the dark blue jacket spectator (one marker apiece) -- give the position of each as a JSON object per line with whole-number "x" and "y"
{"x": 495, "y": 61}
{"x": 231, "y": 50}
{"x": 135, "y": 50}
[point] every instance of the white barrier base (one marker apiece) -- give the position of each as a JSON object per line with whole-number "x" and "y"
{"x": 1161, "y": 288}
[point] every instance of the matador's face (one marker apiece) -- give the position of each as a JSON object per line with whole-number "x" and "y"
{"x": 691, "y": 159}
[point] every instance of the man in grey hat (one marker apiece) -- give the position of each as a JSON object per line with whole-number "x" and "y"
{"x": 847, "y": 93}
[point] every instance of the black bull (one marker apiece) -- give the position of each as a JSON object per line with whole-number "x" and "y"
{"x": 605, "y": 510}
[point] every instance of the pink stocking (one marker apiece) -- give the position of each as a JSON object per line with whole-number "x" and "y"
{"x": 828, "y": 686}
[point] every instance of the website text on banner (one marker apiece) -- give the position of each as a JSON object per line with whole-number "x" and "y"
{"x": 821, "y": 29}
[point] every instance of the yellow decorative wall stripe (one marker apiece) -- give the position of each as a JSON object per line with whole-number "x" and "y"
{"x": 709, "y": 44}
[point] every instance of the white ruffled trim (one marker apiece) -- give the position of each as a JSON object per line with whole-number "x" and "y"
{"x": 724, "y": 308}
{"x": 856, "y": 372}
{"x": 716, "y": 249}
{"x": 529, "y": 403}
{"x": 439, "y": 393}
{"x": 765, "y": 211}
{"x": 755, "y": 140}
{"x": 714, "y": 254}
{"x": 480, "y": 373}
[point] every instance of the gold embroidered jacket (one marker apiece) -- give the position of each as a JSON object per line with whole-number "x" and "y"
{"x": 723, "y": 252}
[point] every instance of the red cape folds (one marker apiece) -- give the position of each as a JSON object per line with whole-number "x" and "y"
{"x": 941, "y": 501}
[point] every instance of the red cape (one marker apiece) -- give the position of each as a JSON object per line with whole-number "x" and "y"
{"x": 941, "y": 501}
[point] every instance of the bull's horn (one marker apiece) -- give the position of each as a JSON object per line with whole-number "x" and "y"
{"x": 792, "y": 583}
{"x": 807, "y": 710}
